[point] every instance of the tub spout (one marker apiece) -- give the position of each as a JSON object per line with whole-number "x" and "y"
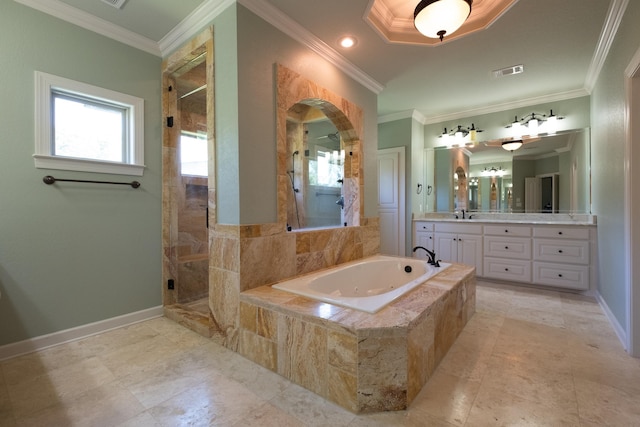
{"x": 430, "y": 254}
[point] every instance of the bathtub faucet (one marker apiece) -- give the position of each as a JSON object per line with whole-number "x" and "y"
{"x": 430, "y": 254}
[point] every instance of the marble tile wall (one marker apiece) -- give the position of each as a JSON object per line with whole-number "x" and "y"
{"x": 248, "y": 256}
{"x": 363, "y": 362}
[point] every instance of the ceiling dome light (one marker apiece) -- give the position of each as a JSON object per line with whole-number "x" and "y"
{"x": 437, "y": 18}
{"x": 512, "y": 145}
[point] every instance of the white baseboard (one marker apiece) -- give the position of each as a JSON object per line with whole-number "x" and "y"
{"x": 44, "y": 341}
{"x": 619, "y": 330}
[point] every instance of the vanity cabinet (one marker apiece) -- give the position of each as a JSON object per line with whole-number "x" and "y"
{"x": 507, "y": 252}
{"x": 562, "y": 257}
{"x": 459, "y": 243}
{"x": 553, "y": 255}
{"x": 423, "y": 236}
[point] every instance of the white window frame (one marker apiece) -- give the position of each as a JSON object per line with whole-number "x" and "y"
{"x": 44, "y": 156}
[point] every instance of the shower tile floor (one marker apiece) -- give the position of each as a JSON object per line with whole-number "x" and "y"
{"x": 527, "y": 357}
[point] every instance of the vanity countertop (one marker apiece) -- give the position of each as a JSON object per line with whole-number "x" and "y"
{"x": 526, "y": 219}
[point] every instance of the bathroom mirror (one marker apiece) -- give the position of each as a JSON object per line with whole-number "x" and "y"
{"x": 549, "y": 174}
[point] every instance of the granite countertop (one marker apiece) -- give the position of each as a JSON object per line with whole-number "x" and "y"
{"x": 527, "y": 219}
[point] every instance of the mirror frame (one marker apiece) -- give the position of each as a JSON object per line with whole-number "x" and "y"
{"x": 347, "y": 117}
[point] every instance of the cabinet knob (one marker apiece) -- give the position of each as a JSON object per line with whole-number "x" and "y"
{"x": 430, "y": 238}
{"x": 560, "y": 251}
{"x": 506, "y": 269}
{"x": 559, "y": 275}
{"x": 506, "y": 247}
{"x": 559, "y": 232}
{"x": 506, "y": 231}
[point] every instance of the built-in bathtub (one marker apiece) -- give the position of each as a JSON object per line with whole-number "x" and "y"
{"x": 364, "y": 362}
{"x": 366, "y": 285}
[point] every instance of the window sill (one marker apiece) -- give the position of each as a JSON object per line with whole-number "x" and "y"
{"x": 85, "y": 165}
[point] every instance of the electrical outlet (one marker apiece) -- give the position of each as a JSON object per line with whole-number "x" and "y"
{"x": 170, "y": 284}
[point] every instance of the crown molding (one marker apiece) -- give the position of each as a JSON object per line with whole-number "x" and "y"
{"x": 90, "y": 22}
{"x": 408, "y": 114}
{"x": 496, "y": 108}
{"x": 192, "y": 24}
{"x": 294, "y": 30}
{"x": 608, "y": 34}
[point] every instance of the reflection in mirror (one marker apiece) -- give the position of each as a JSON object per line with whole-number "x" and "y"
{"x": 549, "y": 174}
{"x": 316, "y": 170}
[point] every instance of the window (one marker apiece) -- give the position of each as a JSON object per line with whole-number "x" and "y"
{"x": 326, "y": 170}
{"x": 193, "y": 154}
{"x": 81, "y": 127}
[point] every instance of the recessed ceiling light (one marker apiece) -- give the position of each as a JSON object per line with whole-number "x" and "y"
{"x": 347, "y": 42}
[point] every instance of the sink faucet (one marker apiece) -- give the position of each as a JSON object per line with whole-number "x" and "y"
{"x": 430, "y": 254}
{"x": 462, "y": 213}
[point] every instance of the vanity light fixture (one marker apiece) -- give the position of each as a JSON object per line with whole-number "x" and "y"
{"x": 533, "y": 122}
{"x": 461, "y": 136}
{"x": 493, "y": 171}
{"x": 437, "y": 18}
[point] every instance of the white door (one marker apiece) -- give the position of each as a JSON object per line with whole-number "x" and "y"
{"x": 391, "y": 201}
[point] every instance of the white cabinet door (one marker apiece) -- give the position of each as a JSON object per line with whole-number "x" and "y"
{"x": 470, "y": 251}
{"x": 425, "y": 240}
{"x": 446, "y": 247}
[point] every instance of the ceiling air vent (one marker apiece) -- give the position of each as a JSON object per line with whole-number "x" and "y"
{"x": 516, "y": 69}
{"x": 115, "y": 3}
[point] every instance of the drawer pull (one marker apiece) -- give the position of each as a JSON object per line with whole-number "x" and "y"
{"x": 506, "y": 247}
{"x": 506, "y": 269}
{"x": 559, "y": 275}
{"x": 559, "y": 251}
{"x": 506, "y": 231}
{"x": 560, "y": 232}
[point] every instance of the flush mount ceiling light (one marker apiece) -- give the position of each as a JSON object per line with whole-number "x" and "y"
{"x": 347, "y": 42}
{"x": 512, "y": 145}
{"x": 437, "y": 18}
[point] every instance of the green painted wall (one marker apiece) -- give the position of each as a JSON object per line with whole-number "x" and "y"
{"x": 72, "y": 254}
{"x": 607, "y": 154}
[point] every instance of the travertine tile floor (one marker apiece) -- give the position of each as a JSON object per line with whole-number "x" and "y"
{"x": 527, "y": 357}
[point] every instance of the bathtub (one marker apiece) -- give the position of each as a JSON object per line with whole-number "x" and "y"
{"x": 366, "y": 285}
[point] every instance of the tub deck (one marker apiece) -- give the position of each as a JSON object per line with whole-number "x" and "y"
{"x": 360, "y": 361}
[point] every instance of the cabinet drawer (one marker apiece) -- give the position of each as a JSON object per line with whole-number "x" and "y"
{"x": 562, "y": 232}
{"x": 508, "y": 247}
{"x": 507, "y": 269}
{"x": 507, "y": 230}
{"x": 423, "y": 226}
{"x": 565, "y": 276}
{"x": 560, "y": 250}
{"x": 458, "y": 228}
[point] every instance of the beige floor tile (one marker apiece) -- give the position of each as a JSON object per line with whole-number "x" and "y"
{"x": 601, "y": 405}
{"x": 107, "y": 405}
{"x": 310, "y": 408}
{"x": 57, "y": 386}
{"x": 495, "y": 407}
{"x": 6, "y": 411}
{"x": 398, "y": 419}
{"x": 446, "y": 398}
{"x": 469, "y": 356}
{"x": 108, "y": 342}
{"x": 215, "y": 401}
{"x": 269, "y": 415}
{"x": 141, "y": 420}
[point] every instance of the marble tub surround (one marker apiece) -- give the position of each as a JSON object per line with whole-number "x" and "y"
{"x": 245, "y": 257}
{"x": 363, "y": 362}
{"x": 516, "y": 218}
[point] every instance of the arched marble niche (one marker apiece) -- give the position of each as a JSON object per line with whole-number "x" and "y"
{"x": 300, "y": 102}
